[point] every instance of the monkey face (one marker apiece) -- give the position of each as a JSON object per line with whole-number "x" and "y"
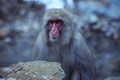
{"x": 55, "y": 26}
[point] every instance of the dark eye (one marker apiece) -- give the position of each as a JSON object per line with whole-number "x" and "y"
{"x": 50, "y": 23}
{"x": 59, "y": 21}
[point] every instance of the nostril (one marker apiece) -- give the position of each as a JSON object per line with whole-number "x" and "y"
{"x": 53, "y": 29}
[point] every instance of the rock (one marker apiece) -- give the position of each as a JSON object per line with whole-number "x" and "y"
{"x": 37, "y": 70}
{"x": 11, "y": 79}
{"x": 2, "y": 78}
{"x": 113, "y": 12}
{"x": 18, "y": 21}
{"x": 108, "y": 8}
{"x": 7, "y": 70}
{"x": 91, "y": 18}
{"x": 113, "y": 78}
{"x": 89, "y": 6}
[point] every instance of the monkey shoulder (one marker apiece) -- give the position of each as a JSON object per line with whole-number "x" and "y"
{"x": 81, "y": 48}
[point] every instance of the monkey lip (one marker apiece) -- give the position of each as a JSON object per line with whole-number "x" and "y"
{"x": 54, "y": 37}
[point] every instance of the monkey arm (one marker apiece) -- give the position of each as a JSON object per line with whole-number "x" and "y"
{"x": 84, "y": 57}
{"x": 39, "y": 47}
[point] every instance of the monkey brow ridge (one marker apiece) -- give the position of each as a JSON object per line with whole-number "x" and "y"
{"x": 57, "y": 11}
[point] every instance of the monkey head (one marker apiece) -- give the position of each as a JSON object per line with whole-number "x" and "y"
{"x": 58, "y": 25}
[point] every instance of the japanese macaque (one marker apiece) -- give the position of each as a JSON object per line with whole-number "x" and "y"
{"x": 60, "y": 41}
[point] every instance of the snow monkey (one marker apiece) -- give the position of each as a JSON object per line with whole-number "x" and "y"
{"x": 60, "y": 41}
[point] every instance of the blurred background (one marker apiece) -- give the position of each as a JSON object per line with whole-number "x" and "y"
{"x": 20, "y": 22}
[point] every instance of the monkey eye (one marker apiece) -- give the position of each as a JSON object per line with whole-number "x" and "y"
{"x": 58, "y": 21}
{"x": 50, "y": 23}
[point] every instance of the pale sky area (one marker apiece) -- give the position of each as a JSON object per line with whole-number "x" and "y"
{"x": 53, "y": 3}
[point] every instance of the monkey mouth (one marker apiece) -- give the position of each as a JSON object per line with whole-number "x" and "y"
{"x": 53, "y": 38}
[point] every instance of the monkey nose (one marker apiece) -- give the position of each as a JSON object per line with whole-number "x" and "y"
{"x": 53, "y": 30}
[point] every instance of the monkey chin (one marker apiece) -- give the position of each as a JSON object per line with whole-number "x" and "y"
{"x": 53, "y": 39}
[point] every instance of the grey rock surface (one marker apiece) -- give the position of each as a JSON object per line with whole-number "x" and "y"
{"x": 113, "y": 78}
{"x": 37, "y": 70}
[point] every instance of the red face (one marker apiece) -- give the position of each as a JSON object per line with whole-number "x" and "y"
{"x": 55, "y": 26}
